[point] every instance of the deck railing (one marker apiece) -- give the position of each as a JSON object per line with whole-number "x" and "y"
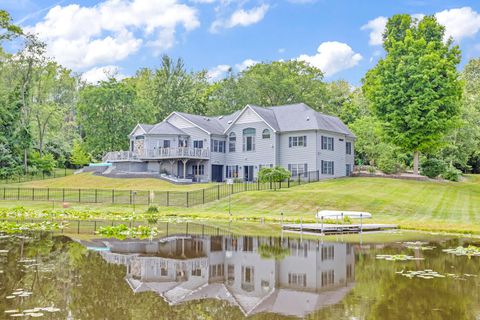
{"x": 160, "y": 153}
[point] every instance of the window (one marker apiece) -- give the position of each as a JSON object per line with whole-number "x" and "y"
{"x": 198, "y": 170}
{"x": 197, "y": 272}
{"x": 163, "y": 271}
{"x": 298, "y": 169}
{"x": 297, "y": 279}
{"x": 328, "y": 253}
{"x": 261, "y": 166}
{"x": 348, "y": 169}
{"x": 232, "y": 141}
{"x": 249, "y": 139}
{"x": 132, "y": 146}
{"x": 248, "y": 279}
{"x": 198, "y": 144}
{"x": 327, "y": 143}
{"x": 266, "y": 134}
{"x": 300, "y": 141}
{"x": 182, "y": 143}
{"x": 166, "y": 143}
{"x": 232, "y": 172}
{"x": 218, "y": 146}
{"x": 348, "y": 147}
{"x": 327, "y": 167}
{"x": 328, "y": 278}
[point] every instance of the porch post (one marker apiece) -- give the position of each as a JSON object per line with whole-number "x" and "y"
{"x": 184, "y": 168}
{"x": 172, "y": 162}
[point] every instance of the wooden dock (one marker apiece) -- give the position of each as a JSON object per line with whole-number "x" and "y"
{"x": 336, "y": 228}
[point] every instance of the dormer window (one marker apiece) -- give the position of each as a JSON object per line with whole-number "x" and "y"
{"x": 266, "y": 134}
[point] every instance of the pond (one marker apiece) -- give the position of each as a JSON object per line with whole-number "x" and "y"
{"x": 237, "y": 277}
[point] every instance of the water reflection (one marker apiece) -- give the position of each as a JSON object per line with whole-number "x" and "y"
{"x": 282, "y": 276}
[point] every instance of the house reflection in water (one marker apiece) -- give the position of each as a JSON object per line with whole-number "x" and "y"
{"x": 303, "y": 277}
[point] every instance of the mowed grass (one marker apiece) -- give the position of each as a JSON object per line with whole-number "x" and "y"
{"x": 90, "y": 181}
{"x": 420, "y": 205}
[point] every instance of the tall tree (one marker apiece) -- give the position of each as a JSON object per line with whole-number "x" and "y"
{"x": 8, "y": 30}
{"x": 415, "y": 90}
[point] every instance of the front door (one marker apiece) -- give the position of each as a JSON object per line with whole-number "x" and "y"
{"x": 248, "y": 173}
{"x": 217, "y": 173}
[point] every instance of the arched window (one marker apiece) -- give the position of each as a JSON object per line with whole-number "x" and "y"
{"x": 232, "y": 141}
{"x": 266, "y": 134}
{"x": 249, "y": 139}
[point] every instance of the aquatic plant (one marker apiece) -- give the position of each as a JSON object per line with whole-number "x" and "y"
{"x": 396, "y": 257}
{"x": 121, "y": 231}
{"x": 422, "y": 274}
{"x": 470, "y": 251}
{"x": 14, "y": 227}
{"x": 418, "y": 245}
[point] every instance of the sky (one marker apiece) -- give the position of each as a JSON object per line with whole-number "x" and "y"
{"x": 340, "y": 37}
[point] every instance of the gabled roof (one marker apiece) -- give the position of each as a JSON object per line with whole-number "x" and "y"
{"x": 210, "y": 124}
{"x": 165, "y": 128}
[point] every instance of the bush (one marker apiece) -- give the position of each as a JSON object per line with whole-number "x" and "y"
{"x": 152, "y": 209}
{"x": 452, "y": 174}
{"x": 389, "y": 164}
{"x": 275, "y": 174}
{"x": 432, "y": 168}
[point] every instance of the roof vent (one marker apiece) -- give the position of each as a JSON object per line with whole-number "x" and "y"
{"x": 229, "y": 121}
{"x": 308, "y": 118}
{"x": 220, "y": 118}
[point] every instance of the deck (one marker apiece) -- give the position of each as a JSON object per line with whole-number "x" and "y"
{"x": 158, "y": 154}
{"x": 336, "y": 228}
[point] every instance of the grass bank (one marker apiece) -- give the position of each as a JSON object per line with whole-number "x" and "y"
{"x": 419, "y": 205}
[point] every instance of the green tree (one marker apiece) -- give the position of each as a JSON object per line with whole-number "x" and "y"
{"x": 7, "y": 29}
{"x": 107, "y": 113}
{"x": 79, "y": 156}
{"x": 275, "y": 174}
{"x": 415, "y": 90}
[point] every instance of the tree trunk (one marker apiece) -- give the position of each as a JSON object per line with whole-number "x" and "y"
{"x": 416, "y": 156}
{"x": 25, "y": 160}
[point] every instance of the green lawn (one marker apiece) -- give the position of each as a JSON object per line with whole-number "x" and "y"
{"x": 90, "y": 181}
{"x": 424, "y": 205}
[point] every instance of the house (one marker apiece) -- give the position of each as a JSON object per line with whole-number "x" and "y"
{"x": 309, "y": 276}
{"x": 187, "y": 147}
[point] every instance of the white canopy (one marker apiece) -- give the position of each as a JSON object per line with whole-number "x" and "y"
{"x": 322, "y": 214}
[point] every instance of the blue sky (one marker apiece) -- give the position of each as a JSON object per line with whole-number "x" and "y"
{"x": 340, "y": 37}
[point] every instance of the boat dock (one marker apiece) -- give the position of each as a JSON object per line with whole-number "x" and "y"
{"x": 336, "y": 228}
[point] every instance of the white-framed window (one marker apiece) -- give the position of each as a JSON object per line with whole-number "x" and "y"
{"x": 297, "y": 141}
{"x": 182, "y": 142}
{"x": 328, "y": 253}
{"x": 327, "y": 167}
{"x": 198, "y": 144}
{"x": 298, "y": 169}
{"x": 231, "y": 172}
{"x": 232, "y": 141}
{"x": 348, "y": 169}
{"x": 198, "y": 170}
{"x": 348, "y": 147}
{"x": 266, "y": 134}
{"x": 249, "y": 139}
{"x": 327, "y": 143}
{"x": 297, "y": 279}
{"x": 328, "y": 278}
{"x": 218, "y": 146}
{"x": 166, "y": 143}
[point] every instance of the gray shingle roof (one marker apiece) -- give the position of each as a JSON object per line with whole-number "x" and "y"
{"x": 146, "y": 127}
{"x": 166, "y": 128}
{"x": 292, "y": 117}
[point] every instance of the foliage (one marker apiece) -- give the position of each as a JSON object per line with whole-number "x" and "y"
{"x": 121, "y": 231}
{"x": 14, "y": 227}
{"x": 79, "y": 156}
{"x": 452, "y": 174}
{"x": 46, "y": 163}
{"x": 432, "y": 167}
{"x": 7, "y": 29}
{"x": 276, "y": 252}
{"x": 415, "y": 90}
{"x": 275, "y": 174}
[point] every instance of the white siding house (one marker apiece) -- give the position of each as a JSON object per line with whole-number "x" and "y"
{"x": 190, "y": 147}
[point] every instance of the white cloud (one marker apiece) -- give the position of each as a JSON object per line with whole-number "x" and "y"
{"x": 80, "y": 37}
{"x": 376, "y": 27}
{"x": 333, "y": 57}
{"x": 218, "y": 72}
{"x": 98, "y": 74}
{"x": 245, "y": 64}
{"x": 241, "y": 18}
{"x": 460, "y": 22}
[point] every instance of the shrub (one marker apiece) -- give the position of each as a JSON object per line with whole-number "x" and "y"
{"x": 389, "y": 164}
{"x": 371, "y": 169}
{"x": 452, "y": 174}
{"x": 275, "y": 174}
{"x": 152, "y": 209}
{"x": 432, "y": 168}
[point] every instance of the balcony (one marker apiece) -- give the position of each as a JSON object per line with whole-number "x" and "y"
{"x": 158, "y": 154}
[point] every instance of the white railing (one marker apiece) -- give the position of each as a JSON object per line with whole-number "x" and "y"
{"x": 180, "y": 152}
{"x": 161, "y": 153}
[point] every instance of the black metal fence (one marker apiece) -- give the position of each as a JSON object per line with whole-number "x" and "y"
{"x": 145, "y": 197}
{"x": 165, "y": 229}
{"x": 57, "y": 173}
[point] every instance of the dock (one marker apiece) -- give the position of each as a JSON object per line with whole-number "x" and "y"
{"x": 325, "y": 228}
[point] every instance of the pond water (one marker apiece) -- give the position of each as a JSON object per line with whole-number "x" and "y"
{"x": 225, "y": 277}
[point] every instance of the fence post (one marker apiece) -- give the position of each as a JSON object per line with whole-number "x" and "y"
{"x": 113, "y": 196}
{"x": 168, "y": 204}
{"x": 130, "y": 196}
{"x": 95, "y": 227}
{"x": 203, "y": 230}
{"x": 79, "y": 195}
{"x": 167, "y": 229}
{"x": 18, "y": 193}
{"x": 203, "y": 195}
{"x": 33, "y": 194}
{"x": 63, "y": 194}
{"x": 78, "y": 226}
{"x": 95, "y": 195}
{"x": 218, "y": 192}
{"x": 187, "y": 201}
{"x": 186, "y": 230}
{"x": 3, "y": 193}
{"x": 308, "y": 177}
